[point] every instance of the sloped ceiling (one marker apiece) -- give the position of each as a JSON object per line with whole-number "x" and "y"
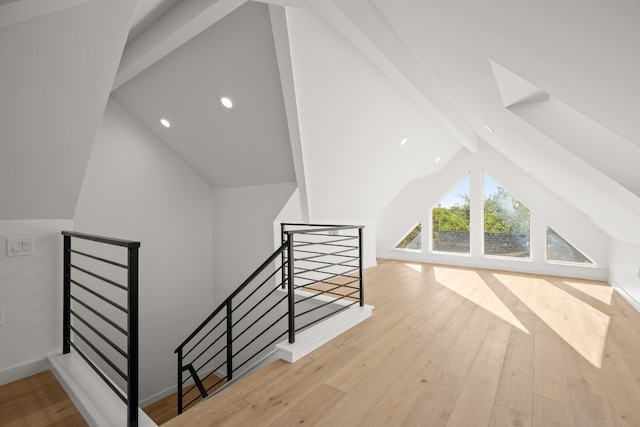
{"x": 58, "y": 57}
{"x": 584, "y": 56}
{"x": 246, "y": 145}
{"x": 57, "y": 62}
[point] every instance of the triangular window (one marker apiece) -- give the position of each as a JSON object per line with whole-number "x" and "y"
{"x": 506, "y": 222}
{"x": 412, "y": 240}
{"x": 450, "y": 219}
{"x": 558, "y": 249}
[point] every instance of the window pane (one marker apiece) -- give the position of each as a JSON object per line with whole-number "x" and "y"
{"x": 450, "y": 220}
{"x": 506, "y": 222}
{"x": 559, "y": 249}
{"x": 413, "y": 239}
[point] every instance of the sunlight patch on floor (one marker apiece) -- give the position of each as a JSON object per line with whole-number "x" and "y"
{"x": 582, "y": 326}
{"x": 601, "y": 292}
{"x": 469, "y": 284}
{"x": 415, "y": 267}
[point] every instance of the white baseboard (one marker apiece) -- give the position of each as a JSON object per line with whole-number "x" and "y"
{"x": 24, "y": 370}
{"x": 158, "y": 396}
{"x": 624, "y": 294}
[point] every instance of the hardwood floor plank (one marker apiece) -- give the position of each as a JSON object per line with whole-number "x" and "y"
{"x": 590, "y": 410}
{"x": 269, "y": 400}
{"x": 433, "y": 406}
{"x": 515, "y": 388}
{"x": 477, "y": 396}
{"x": 368, "y": 392}
{"x": 38, "y": 400}
{"x": 549, "y": 378}
{"x": 621, "y": 388}
{"x": 310, "y": 408}
{"x": 552, "y": 413}
{"x": 503, "y": 416}
{"x": 394, "y": 405}
{"x": 581, "y": 375}
{"x": 463, "y": 352}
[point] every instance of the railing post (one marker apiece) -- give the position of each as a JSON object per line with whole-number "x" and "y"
{"x": 284, "y": 275}
{"x": 132, "y": 340}
{"x": 66, "y": 302}
{"x": 229, "y": 343}
{"x": 360, "y": 267}
{"x": 292, "y": 302}
{"x": 179, "y": 380}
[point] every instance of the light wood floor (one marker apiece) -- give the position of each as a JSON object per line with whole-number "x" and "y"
{"x": 167, "y": 408}
{"x": 37, "y": 401}
{"x": 445, "y": 346}
{"x": 456, "y": 347}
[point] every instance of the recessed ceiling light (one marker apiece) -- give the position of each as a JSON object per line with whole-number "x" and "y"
{"x": 437, "y": 159}
{"x": 165, "y": 123}
{"x": 226, "y": 101}
{"x": 403, "y": 141}
{"x": 488, "y": 128}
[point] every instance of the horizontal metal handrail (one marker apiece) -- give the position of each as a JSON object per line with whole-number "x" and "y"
{"x": 98, "y": 371}
{"x": 255, "y": 274}
{"x": 100, "y": 315}
{"x": 325, "y": 227}
{"x": 97, "y": 258}
{"x": 98, "y": 333}
{"x": 97, "y": 276}
{"x": 102, "y": 239}
{"x": 97, "y": 295}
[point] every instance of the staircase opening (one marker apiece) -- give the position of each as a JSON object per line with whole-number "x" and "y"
{"x": 315, "y": 275}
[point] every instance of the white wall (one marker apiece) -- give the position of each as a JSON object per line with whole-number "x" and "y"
{"x": 136, "y": 188}
{"x": 31, "y": 294}
{"x": 624, "y": 262}
{"x": 414, "y": 202}
{"x": 243, "y": 236}
{"x": 352, "y": 118}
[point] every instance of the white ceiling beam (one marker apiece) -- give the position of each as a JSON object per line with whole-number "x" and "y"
{"x": 283, "y": 56}
{"x": 183, "y": 22}
{"x": 430, "y": 96}
{"x": 23, "y": 10}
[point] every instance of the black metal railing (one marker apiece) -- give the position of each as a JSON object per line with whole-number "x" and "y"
{"x": 100, "y": 311}
{"x": 321, "y": 260}
{"x": 327, "y": 270}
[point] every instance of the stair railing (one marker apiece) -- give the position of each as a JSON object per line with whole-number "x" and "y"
{"x": 322, "y": 262}
{"x": 100, "y": 313}
{"x": 327, "y": 271}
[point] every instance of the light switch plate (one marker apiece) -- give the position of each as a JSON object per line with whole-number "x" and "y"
{"x": 19, "y": 246}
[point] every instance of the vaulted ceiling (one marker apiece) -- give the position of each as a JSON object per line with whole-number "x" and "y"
{"x": 245, "y": 145}
{"x": 551, "y": 85}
